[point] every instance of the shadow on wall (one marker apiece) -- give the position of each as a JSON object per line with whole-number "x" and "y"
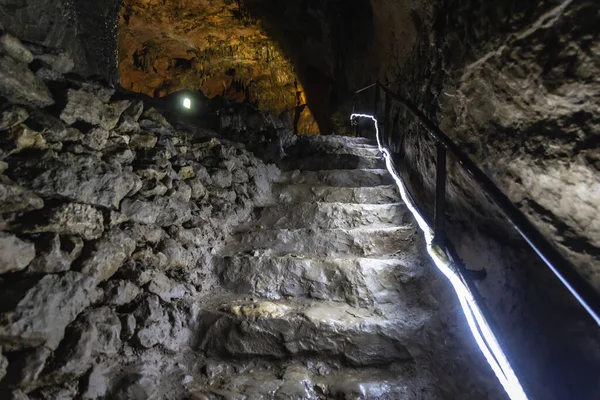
{"x": 328, "y": 44}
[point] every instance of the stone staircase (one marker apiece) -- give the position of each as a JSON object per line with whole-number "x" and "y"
{"x": 321, "y": 290}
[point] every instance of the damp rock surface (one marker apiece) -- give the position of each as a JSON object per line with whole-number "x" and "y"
{"x": 144, "y": 256}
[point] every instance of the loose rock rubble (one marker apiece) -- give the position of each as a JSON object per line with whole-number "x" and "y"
{"x": 106, "y": 210}
{"x": 141, "y": 259}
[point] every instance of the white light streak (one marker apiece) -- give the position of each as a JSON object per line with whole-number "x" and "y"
{"x": 484, "y": 337}
{"x": 187, "y": 103}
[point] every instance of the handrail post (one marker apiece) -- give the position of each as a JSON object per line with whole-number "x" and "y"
{"x": 440, "y": 196}
{"x": 387, "y": 106}
{"x": 375, "y": 108}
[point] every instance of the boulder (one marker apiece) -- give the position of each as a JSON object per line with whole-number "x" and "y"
{"x": 80, "y": 178}
{"x": 11, "y": 46}
{"x": 167, "y": 289}
{"x": 14, "y": 198}
{"x": 120, "y": 292}
{"x": 51, "y": 259}
{"x": 67, "y": 219}
{"x": 40, "y": 318}
{"x": 26, "y": 367}
{"x": 20, "y": 86}
{"x": 11, "y": 116}
{"x": 15, "y": 254}
{"x": 143, "y": 141}
{"x": 109, "y": 254}
{"x": 140, "y": 211}
{"x": 87, "y": 107}
{"x": 20, "y": 138}
{"x": 97, "y": 138}
{"x": 95, "y": 333}
{"x": 177, "y": 256}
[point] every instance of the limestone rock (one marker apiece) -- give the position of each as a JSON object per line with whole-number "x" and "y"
{"x": 128, "y": 324}
{"x": 143, "y": 141}
{"x": 13, "y": 47}
{"x": 145, "y": 233}
{"x": 3, "y": 365}
{"x": 85, "y": 179}
{"x": 53, "y": 59}
{"x": 15, "y": 254}
{"x": 14, "y": 198}
{"x": 20, "y": 86}
{"x": 18, "y": 395}
{"x": 177, "y": 256}
{"x": 85, "y": 106}
{"x": 67, "y": 219}
{"x": 109, "y": 254}
{"x": 51, "y": 259}
{"x": 167, "y": 289}
{"x": 27, "y": 368}
{"x": 21, "y": 138}
{"x": 72, "y": 245}
{"x": 11, "y": 116}
{"x": 142, "y": 212}
{"x": 222, "y": 179}
{"x": 173, "y": 211}
{"x": 97, "y": 138}
{"x": 96, "y": 333}
{"x": 263, "y": 309}
{"x": 120, "y": 292}
{"x": 41, "y": 317}
{"x": 154, "y": 327}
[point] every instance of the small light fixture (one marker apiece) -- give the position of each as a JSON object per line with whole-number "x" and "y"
{"x": 187, "y": 103}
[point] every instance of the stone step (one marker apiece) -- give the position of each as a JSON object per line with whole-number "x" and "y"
{"x": 338, "y": 177}
{"x": 345, "y": 140}
{"x": 329, "y": 216}
{"x": 359, "y": 242}
{"x": 356, "y": 281}
{"x": 303, "y": 148}
{"x": 297, "y": 329}
{"x": 317, "y": 162}
{"x": 293, "y": 380}
{"x": 292, "y": 194}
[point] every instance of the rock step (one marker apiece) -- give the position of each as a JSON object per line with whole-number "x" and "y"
{"x": 362, "y": 242}
{"x": 330, "y": 216}
{"x": 338, "y": 177}
{"x": 327, "y": 161}
{"x": 356, "y": 281}
{"x": 293, "y": 194}
{"x": 317, "y": 381}
{"x": 303, "y": 148}
{"x": 348, "y": 140}
{"x": 301, "y": 329}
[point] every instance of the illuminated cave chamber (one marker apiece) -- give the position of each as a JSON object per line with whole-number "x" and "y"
{"x": 215, "y": 47}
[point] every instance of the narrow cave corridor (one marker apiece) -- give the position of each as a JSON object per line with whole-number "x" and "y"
{"x": 188, "y": 210}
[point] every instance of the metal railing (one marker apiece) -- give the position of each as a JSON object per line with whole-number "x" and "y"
{"x": 587, "y": 296}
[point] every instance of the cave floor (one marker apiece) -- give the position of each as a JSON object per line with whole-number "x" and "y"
{"x": 317, "y": 300}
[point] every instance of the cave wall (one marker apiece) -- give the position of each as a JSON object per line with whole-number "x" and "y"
{"x": 85, "y": 30}
{"x": 217, "y": 47}
{"x": 515, "y": 84}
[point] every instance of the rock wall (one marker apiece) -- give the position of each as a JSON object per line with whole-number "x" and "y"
{"x": 514, "y": 83}
{"x": 85, "y": 30}
{"x": 108, "y": 219}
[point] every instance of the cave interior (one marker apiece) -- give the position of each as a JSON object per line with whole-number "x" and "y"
{"x": 188, "y": 210}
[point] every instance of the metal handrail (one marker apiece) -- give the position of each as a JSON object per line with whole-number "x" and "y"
{"x": 564, "y": 270}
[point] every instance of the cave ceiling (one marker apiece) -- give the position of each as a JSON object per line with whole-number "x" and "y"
{"x": 215, "y": 46}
